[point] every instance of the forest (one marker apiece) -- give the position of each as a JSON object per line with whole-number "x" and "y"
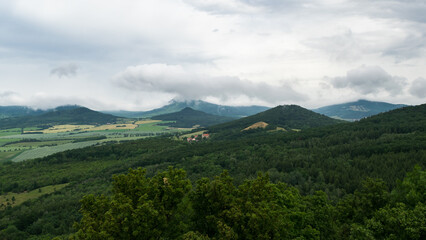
{"x": 361, "y": 180}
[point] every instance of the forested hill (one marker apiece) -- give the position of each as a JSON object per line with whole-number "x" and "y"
{"x": 357, "y": 110}
{"x": 343, "y": 181}
{"x": 17, "y": 111}
{"x": 61, "y": 115}
{"x": 286, "y": 116}
{"x": 189, "y": 117}
{"x": 176, "y": 106}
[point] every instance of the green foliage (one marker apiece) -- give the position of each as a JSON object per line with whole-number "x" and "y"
{"x": 333, "y": 160}
{"x": 140, "y": 208}
{"x": 71, "y": 115}
{"x": 288, "y": 117}
{"x": 188, "y": 117}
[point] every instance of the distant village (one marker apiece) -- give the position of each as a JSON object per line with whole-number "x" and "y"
{"x": 197, "y": 138}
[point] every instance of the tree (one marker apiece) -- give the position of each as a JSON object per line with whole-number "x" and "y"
{"x": 140, "y": 208}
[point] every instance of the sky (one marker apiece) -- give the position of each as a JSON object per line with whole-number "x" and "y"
{"x": 140, "y": 54}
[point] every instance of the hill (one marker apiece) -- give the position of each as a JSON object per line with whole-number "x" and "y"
{"x": 355, "y": 178}
{"x": 188, "y": 117}
{"x": 175, "y": 106}
{"x": 352, "y": 111}
{"x": 286, "y": 116}
{"x": 17, "y": 111}
{"x": 60, "y": 115}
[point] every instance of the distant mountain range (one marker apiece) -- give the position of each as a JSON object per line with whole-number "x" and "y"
{"x": 287, "y": 117}
{"x": 188, "y": 117}
{"x": 357, "y": 110}
{"x": 61, "y": 115}
{"x": 347, "y": 111}
{"x": 176, "y": 106}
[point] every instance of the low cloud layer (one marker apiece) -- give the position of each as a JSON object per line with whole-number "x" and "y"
{"x": 174, "y": 79}
{"x": 370, "y": 79}
{"x": 68, "y": 70}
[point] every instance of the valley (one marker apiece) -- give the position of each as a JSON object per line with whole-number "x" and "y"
{"x": 337, "y": 176}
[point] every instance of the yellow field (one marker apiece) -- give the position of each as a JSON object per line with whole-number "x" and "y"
{"x": 114, "y": 127}
{"x": 147, "y": 121}
{"x": 63, "y": 128}
{"x": 15, "y": 199}
{"x": 256, "y": 125}
{"x": 70, "y": 128}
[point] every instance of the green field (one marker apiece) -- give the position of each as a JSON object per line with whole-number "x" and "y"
{"x": 4, "y": 156}
{"x": 46, "y": 151}
{"x": 39, "y": 144}
{"x": 16, "y": 199}
{"x": 19, "y": 147}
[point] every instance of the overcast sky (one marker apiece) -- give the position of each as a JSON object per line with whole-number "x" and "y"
{"x": 140, "y": 54}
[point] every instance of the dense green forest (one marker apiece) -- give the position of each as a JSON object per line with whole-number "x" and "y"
{"x": 347, "y": 180}
{"x": 176, "y": 106}
{"x": 286, "y": 116}
{"x": 61, "y": 115}
{"x": 188, "y": 117}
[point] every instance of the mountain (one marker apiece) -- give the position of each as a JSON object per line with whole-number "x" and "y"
{"x": 286, "y": 116}
{"x": 188, "y": 117}
{"x": 353, "y": 172}
{"x": 60, "y": 115}
{"x": 356, "y": 110}
{"x": 17, "y": 111}
{"x": 175, "y": 106}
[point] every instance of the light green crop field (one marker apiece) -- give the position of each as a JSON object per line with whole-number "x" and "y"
{"x": 151, "y": 127}
{"x": 56, "y": 141}
{"x": 4, "y": 156}
{"x": 4, "y": 141}
{"x": 16, "y": 199}
{"x": 39, "y": 144}
{"x": 9, "y": 132}
{"x": 46, "y": 151}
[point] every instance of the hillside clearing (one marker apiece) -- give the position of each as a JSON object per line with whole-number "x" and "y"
{"x": 16, "y": 199}
{"x": 256, "y": 125}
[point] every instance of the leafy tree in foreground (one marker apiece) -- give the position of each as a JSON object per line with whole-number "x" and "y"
{"x": 166, "y": 207}
{"x": 140, "y": 208}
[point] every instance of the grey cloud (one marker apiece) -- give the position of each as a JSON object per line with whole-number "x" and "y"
{"x": 7, "y": 94}
{"x": 68, "y": 70}
{"x": 341, "y": 47}
{"x": 411, "y": 47}
{"x": 411, "y": 10}
{"x": 418, "y": 88}
{"x": 370, "y": 79}
{"x": 246, "y": 6}
{"x": 175, "y": 80}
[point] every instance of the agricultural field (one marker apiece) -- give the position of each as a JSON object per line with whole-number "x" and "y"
{"x": 22, "y": 144}
{"x": 15, "y": 199}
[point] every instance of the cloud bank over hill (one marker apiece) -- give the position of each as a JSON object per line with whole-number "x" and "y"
{"x": 237, "y": 52}
{"x": 174, "y": 79}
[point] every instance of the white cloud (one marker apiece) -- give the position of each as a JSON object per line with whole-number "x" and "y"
{"x": 370, "y": 79}
{"x": 418, "y": 88}
{"x": 174, "y": 79}
{"x": 253, "y": 47}
{"x": 67, "y": 70}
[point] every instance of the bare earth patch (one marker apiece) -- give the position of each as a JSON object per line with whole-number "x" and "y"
{"x": 256, "y": 125}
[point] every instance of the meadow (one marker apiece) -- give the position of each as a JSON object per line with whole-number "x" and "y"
{"x": 30, "y": 143}
{"x": 16, "y": 199}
